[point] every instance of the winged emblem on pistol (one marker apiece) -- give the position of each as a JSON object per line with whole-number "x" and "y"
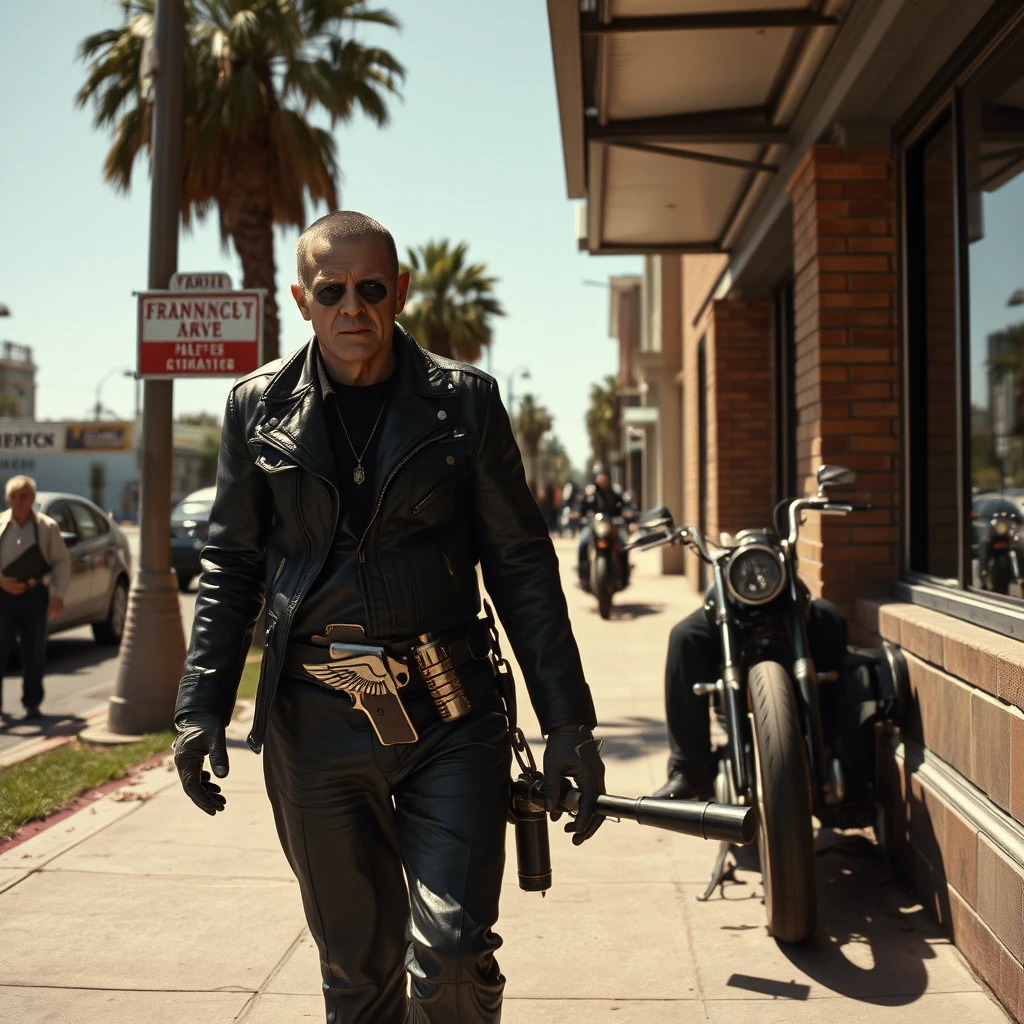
{"x": 354, "y": 677}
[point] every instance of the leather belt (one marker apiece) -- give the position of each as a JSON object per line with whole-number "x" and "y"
{"x": 463, "y": 646}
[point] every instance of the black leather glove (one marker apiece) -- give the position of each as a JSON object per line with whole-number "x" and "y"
{"x": 572, "y": 752}
{"x": 201, "y": 733}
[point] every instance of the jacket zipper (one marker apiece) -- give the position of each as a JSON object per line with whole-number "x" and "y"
{"x": 387, "y": 483}
{"x": 280, "y": 569}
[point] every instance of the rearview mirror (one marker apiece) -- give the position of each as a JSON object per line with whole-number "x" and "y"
{"x": 835, "y": 476}
{"x": 658, "y": 518}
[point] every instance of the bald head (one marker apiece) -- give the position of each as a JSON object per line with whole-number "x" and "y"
{"x": 323, "y": 235}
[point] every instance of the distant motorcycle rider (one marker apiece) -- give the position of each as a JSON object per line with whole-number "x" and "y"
{"x": 599, "y": 496}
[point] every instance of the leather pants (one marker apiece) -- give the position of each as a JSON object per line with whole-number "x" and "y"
{"x": 359, "y": 822}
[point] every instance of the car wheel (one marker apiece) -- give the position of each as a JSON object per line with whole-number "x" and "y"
{"x": 110, "y": 631}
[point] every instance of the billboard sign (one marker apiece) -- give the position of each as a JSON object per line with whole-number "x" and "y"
{"x": 37, "y": 438}
{"x": 200, "y": 333}
{"x": 213, "y": 281}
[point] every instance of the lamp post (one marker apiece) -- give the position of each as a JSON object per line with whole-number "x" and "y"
{"x": 523, "y": 373}
{"x": 98, "y": 406}
{"x": 153, "y": 647}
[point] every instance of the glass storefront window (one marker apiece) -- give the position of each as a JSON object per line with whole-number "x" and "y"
{"x": 931, "y": 286}
{"x": 994, "y": 197}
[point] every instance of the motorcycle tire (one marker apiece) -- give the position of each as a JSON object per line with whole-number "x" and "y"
{"x": 1002, "y": 573}
{"x": 785, "y": 835}
{"x": 602, "y": 585}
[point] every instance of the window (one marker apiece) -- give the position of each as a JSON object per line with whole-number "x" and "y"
{"x": 964, "y": 371}
{"x": 994, "y": 206}
{"x": 932, "y": 352}
{"x": 61, "y": 515}
{"x": 87, "y": 529}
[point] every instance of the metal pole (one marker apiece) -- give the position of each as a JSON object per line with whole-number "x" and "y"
{"x": 153, "y": 648}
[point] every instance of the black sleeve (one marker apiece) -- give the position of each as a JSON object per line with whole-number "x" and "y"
{"x": 520, "y": 571}
{"x": 232, "y": 584}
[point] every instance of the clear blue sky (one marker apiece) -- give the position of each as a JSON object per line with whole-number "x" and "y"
{"x": 472, "y": 153}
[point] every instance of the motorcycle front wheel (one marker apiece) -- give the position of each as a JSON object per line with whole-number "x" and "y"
{"x": 785, "y": 835}
{"x": 602, "y": 586}
{"x": 1002, "y": 572}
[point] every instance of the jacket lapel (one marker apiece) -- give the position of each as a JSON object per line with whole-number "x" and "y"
{"x": 292, "y": 414}
{"x": 415, "y": 412}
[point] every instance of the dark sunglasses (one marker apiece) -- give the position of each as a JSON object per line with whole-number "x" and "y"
{"x": 369, "y": 291}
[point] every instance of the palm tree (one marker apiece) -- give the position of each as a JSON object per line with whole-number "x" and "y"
{"x": 254, "y": 71}
{"x": 602, "y": 418}
{"x": 451, "y": 302}
{"x": 531, "y": 423}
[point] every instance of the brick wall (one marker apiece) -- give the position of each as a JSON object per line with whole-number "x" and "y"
{"x": 953, "y": 784}
{"x": 742, "y": 405}
{"x": 846, "y": 362}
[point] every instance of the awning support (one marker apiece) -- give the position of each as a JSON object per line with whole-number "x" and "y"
{"x": 692, "y": 154}
{"x": 739, "y": 125}
{"x": 798, "y": 17}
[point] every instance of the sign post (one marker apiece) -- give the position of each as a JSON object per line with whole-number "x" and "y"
{"x": 153, "y": 647}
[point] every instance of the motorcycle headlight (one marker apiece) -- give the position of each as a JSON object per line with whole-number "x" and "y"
{"x": 755, "y": 574}
{"x": 602, "y": 528}
{"x": 1001, "y": 527}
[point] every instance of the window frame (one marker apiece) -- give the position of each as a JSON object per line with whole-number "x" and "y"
{"x": 1002, "y": 29}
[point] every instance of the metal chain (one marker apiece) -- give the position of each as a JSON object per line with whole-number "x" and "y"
{"x": 520, "y": 746}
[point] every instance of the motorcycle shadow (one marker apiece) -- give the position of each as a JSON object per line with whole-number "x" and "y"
{"x": 635, "y": 610}
{"x": 873, "y": 935}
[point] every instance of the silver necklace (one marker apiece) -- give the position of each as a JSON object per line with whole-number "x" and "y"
{"x": 359, "y": 474}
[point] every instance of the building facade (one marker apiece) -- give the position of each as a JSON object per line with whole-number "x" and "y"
{"x": 17, "y": 379}
{"x": 830, "y": 201}
{"x": 100, "y": 460}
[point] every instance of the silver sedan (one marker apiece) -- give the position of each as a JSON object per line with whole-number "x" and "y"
{"x": 101, "y": 566}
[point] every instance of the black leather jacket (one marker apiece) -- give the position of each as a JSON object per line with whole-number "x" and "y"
{"x": 451, "y": 493}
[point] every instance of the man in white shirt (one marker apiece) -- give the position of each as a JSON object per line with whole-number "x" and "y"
{"x": 25, "y": 606}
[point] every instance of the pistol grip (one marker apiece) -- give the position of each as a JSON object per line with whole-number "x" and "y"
{"x": 388, "y": 718}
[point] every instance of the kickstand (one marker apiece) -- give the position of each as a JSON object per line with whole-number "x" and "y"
{"x": 719, "y": 873}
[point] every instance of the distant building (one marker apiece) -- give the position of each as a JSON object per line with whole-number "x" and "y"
{"x": 18, "y": 378}
{"x": 100, "y": 460}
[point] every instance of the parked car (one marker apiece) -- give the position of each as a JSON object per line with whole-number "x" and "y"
{"x": 101, "y": 566}
{"x": 190, "y": 526}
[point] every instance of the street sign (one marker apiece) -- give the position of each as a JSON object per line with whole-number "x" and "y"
{"x": 201, "y": 282}
{"x": 200, "y": 333}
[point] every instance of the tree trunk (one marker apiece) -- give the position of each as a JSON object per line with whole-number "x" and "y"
{"x": 248, "y": 217}
{"x": 440, "y": 344}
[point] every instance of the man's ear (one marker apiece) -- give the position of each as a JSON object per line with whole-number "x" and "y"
{"x": 299, "y": 295}
{"x": 403, "y": 291}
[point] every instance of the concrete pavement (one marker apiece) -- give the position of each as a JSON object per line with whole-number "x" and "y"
{"x": 142, "y": 908}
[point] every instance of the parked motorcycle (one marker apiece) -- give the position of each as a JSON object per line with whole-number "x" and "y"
{"x": 800, "y": 742}
{"x": 1002, "y": 564}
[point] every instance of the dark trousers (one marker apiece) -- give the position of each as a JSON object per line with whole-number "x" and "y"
{"x": 23, "y": 618}
{"x": 358, "y": 821}
{"x": 695, "y": 656}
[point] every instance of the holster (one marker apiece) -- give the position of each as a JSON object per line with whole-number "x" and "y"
{"x": 372, "y": 674}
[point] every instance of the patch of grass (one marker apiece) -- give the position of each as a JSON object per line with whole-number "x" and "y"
{"x": 40, "y": 786}
{"x": 250, "y": 677}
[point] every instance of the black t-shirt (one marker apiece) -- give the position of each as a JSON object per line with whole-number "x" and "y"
{"x": 356, "y": 409}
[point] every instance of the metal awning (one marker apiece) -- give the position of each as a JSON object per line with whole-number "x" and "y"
{"x": 675, "y": 113}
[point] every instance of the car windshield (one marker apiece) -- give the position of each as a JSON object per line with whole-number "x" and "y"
{"x": 192, "y": 510}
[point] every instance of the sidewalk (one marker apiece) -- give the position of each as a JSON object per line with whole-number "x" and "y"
{"x": 144, "y": 909}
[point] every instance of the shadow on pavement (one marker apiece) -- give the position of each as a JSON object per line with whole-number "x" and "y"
{"x": 873, "y": 937}
{"x": 44, "y": 725}
{"x": 636, "y": 610}
{"x": 632, "y": 736}
{"x": 66, "y": 655}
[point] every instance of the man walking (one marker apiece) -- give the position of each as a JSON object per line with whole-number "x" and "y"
{"x": 25, "y": 604}
{"x": 360, "y": 482}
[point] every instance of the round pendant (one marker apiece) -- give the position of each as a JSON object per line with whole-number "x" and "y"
{"x": 359, "y": 474}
